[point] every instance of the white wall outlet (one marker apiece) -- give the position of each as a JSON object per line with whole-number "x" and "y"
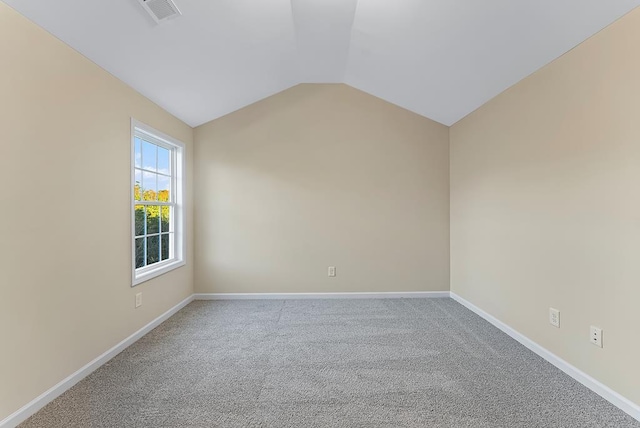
{"x": 554, "y": 317}
{"x": 332, "y": 271}
{"x": 138, "y": 300}
{"x": 596, "y": 336}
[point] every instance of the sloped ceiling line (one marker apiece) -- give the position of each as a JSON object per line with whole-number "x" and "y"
{"x": 323, "y": 34}
{"x": 441, "y": 59}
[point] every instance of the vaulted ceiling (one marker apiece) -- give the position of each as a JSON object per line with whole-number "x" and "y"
{"x": 439, "y": 58}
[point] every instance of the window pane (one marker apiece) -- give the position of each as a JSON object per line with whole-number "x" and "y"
{"x": 155, "y": 192}
{"x": 153, "y": 219}
{"x": 164, "y": 166}
{"x": 164, "y": 187}
{"x": 139, "y": 214}
{"x": 137, "y": 187}
{"x": 149, "y": 156}
{"x": 138, "y": 153}
{"x": 140, "y": 252}
{"x": 165, "y": 220}
{"x": 165, "y": 246}
{"x": 149, "y": 186}
{"x": 153, "y": 249}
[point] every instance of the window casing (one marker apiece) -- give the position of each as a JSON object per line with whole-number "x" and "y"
{"x": 157, "y": 192}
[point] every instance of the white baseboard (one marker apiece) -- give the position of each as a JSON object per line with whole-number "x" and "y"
{"x": 599, "y": 388}
{"x": 345, "y": 295}
{"x": 45, "y": 398}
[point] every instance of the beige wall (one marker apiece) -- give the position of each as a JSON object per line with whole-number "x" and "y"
{"x": 65, "y": 252}
{"x": 545, "y": 205}
{"x": 318, "y": 176}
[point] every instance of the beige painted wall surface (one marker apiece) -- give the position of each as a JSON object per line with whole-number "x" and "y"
{"x": 318, "y": 176}
{"x": 545, "y": 205}
{"x": 65, "y": 252}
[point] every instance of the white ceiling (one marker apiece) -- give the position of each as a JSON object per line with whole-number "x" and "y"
{"x": 439, "y": 58}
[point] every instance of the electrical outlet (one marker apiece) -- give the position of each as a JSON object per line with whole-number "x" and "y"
{"x": 332, "y": 271}
{"x": 138, "y": 300}
{"x": 554, "y": 317}
{"x": 596, "y": 336}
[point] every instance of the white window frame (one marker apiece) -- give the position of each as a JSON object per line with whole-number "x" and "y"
{"x": 178, "y": 251}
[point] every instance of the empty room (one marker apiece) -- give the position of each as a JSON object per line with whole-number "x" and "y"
{"x": 320, "y": 213}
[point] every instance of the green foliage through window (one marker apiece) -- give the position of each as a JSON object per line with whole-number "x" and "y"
{"x": 152, "y": 221}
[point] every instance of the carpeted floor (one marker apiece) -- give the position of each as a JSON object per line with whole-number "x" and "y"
{"x": 328, "y": 363}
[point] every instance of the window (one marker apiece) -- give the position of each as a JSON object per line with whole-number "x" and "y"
{"x": 156, "y": 202}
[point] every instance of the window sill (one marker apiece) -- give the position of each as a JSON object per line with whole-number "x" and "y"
{"x": 161, "y": 269}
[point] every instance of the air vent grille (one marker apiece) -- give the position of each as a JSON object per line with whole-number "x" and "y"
{"x": 160, "y": 10}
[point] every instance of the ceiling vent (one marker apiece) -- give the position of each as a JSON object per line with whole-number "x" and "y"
{"x": 160, "y": 10}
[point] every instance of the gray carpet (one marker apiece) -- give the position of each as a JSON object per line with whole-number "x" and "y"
{"x": 328, "y": 363}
